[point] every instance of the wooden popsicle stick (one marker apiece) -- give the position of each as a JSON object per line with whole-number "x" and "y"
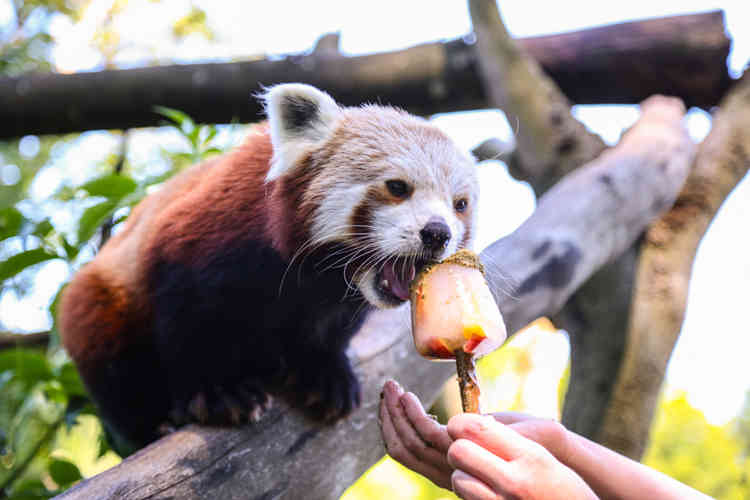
{"x": 467, "y": 381}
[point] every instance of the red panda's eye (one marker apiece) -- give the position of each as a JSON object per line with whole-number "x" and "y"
{"x": 460, "y": 205}
{"x": 398, "y": 188}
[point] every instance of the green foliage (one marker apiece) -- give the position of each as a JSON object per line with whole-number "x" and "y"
{"x": 194, "y": 22}
{"x": 20, "y": 261}
{"x": 26, "y": 46}
{"x": 43, "y": 403}
{"x": 707, "y": 457}
{"x": 37, "y": 394}
{"x": 50, "y": 437}
{"x": 199, "y": 138}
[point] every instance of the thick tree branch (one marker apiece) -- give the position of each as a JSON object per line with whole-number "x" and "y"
{"x": 625, "y": 63}
{"x": 664, "y": 270}
{"x": 591, "y": 216}
{"x": 550, "y": 142}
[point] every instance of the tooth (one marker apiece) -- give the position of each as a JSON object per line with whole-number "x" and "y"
{"x": 385, "y": 283}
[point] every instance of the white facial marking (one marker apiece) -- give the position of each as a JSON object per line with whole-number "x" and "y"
{"x": 357, "y": 151}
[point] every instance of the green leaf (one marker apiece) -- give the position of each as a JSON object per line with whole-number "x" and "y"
{"x": 64, "y": 473}
{"x": 11, "y": 221}
{"x": 157, "y": 179}
{"x": 30, "y": 489}
{"x": 129, "y": 201}
{"x": 211, "y": 151}
{"x": 110, "y": 186}
{"x": 212, "y": 131}
{"x": 32, "y": 495}
{"x": 92, "y": 218}
{"x": 180, "y": 118}
{"x": 71, "y": 251}
{"x": 25, "y": 364}
{"x": 184, "y": 157}
{"x": 68, "y": 376}
{"x": 20, "y": 261}
{"x": 43, "y": 229}
{"x": 122, "y": 218}
{"x": 194, "y": 137}
{"x": 65, "y": 193}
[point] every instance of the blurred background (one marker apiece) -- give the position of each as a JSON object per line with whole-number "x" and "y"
{"x": 56, "y": 192}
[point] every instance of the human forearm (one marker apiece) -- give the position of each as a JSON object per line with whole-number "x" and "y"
{"x": 624, "y": 479}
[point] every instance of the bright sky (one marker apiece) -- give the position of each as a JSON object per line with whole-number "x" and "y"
{"x": 710, "y": 359}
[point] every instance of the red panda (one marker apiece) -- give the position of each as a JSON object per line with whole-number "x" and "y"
{"x": 248, "y": 274}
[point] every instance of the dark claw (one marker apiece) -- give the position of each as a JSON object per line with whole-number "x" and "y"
{"x": 226, "y": 405}
{"x": 329, "y": 390}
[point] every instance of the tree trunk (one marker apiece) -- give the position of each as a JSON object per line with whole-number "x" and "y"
{"x": 683, "y": 56}
{"x": 664, "y": 270}
{"x": 590, "y": 217}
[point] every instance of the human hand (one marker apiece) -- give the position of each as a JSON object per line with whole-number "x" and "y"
{"x": 419, "y": 442}
{"x": 412, "y": 437}
{"x": 494, "y": 461}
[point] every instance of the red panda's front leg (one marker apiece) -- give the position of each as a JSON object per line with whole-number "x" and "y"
{"x": 325, "y": 386}
{"x": 323, "y": 382}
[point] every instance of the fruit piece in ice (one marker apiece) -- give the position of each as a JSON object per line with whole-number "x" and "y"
{"x": 453, "y": 308}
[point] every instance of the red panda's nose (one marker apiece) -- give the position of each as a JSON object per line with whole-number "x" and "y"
{"x": 435, "y": 234}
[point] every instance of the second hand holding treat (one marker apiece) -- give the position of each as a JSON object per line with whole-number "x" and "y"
{"x": 454, "y": 316}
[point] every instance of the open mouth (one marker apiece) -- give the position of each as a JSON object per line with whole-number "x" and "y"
{"x": 395, "y": 277}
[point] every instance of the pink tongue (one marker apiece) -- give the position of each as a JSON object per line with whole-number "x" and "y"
{"x": 396, "y": 282}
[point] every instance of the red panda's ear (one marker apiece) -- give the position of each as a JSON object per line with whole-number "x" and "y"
{"x": 300, "y": 116}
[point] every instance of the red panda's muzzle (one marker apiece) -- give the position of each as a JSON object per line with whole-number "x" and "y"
{"x": 395, "y": 277}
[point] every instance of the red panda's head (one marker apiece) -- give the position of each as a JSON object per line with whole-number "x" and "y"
{"x": 389, "y": 186}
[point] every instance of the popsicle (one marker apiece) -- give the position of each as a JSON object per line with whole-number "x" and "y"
{"x": 454, "y": 316}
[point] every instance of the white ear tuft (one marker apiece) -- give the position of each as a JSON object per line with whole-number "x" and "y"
{"x": 299, "y": 115}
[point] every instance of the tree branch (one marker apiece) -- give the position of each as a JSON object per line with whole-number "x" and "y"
{"x": 550, "y": 142}
{"x": 664, "y": 270}
{"x": 586, "y": 220}
{"x": 10, "y": 340}
{"x": 680, "y": 55}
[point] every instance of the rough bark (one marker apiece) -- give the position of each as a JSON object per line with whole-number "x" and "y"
{"x": 664, "y": 270}
{"x": 596, "y": 319}
{"x": 680, "y": 55}
{"x": 587, "y": 219}
{"x": 550, "y": 142}
{"x": 599, "y": 218}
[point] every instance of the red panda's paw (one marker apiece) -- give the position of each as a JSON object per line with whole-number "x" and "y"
{"x": 224, "y": 405}
{"x": 329, "y": 389}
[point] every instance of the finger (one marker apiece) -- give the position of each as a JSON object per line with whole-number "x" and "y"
{"x": 490, "y": 469}
{"x": 550, "y": 434}
{"x": 512, "y": 417}
{"x": 496, "y": 437}
{"x": 409, "y": 436}
{"x": 396, "y": 449}
{"x": 468, "y": 487}
{"x": 390, "y": 390}
{"x": 432, "y": 432}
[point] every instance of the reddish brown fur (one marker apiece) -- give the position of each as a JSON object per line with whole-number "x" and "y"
{"x": 230, "y": 190}
{"x": 94, "y": 304}
{"x": 210, "y": 250}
